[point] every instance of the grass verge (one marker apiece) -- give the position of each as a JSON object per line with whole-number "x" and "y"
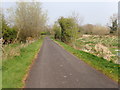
{"x": 108, "y": 68}
{"x": 14, "y": 69}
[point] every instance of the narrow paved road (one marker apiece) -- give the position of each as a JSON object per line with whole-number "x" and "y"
{"x": 56, "y": 68}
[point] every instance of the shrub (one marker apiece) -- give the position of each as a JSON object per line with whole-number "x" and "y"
{"x": 57, "y": 31}
{"x": 68, "y": 29}
{"x": 9, "y": 35}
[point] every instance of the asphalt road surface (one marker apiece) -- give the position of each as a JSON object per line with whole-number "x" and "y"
{"x": 56, "y": 68}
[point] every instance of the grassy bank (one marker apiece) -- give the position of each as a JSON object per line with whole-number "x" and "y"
{"x": 107, "y": 67}
{"x": 14, "y": 69}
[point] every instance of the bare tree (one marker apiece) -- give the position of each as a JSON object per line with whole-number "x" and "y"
{"x": 29, "y": 19}
{"x": 113, "y": 18}
{"x": 78, "y": 20}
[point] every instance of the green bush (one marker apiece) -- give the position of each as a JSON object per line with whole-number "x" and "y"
{"x": 9, "y": 35}
{"x": 57, "y": 31}
{"x": 68, "y": 29}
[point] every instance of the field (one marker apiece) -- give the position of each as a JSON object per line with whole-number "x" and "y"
{"x": 107, "y": 67}
{"x": 16, "y": 61}
{"x": 105, "y": 46}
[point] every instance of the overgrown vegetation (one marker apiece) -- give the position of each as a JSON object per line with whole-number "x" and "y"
{"x": 27, "y": 19}
{"x": 15, "y": 68}
{"x": 105, "y": 46}
{"x": 107, "y": 67}
{"x": 95, "y": 39}
{"x": 97, "y": 45}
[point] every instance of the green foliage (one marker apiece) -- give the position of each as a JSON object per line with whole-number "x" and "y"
{"x": 68, "y": 29}
{"x": 45, "y": 33}
{"x": 48, "y": 33}
{"x": 14, "y": 69}
{"x": 107, "y": 67}
{"x": 57, "y": 31}
{"x": 9, "y": 34}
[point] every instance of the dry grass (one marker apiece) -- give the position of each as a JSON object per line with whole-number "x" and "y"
{"x": 105, "y": 46}
{"x": 12, "y": 50}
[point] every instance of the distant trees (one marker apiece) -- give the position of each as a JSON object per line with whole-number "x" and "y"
{"x": 100, "y": 30}
{"x": 69, "y": 29}
{"x": 95, "y": 29}
{"x": 87, "y": 29}
{"x": 111, "y": 28}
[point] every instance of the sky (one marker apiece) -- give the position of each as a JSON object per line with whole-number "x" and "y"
{"x": 91, "y": 12}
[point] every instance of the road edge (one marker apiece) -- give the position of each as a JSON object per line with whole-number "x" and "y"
{"x": 87, "y": 63}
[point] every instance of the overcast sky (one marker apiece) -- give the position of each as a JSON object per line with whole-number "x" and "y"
{"x": 92, "y": 12}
